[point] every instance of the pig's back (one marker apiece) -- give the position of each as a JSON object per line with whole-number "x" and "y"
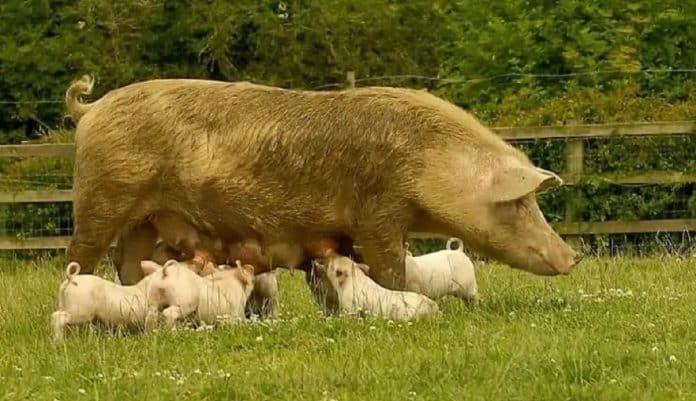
{"x": 201, "y": 126}
{"x": 290, "y": 158}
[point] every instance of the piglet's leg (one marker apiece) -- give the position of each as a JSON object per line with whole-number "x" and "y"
{"x": 151, "y": 317}
{"x": 172, "y": 315}
{"x": 59, "y": 321}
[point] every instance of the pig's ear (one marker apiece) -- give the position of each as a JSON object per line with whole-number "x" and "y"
{"x": 552, "y": 180}
{"x": 516, "y": 182}
{"x": 149, "y": 267}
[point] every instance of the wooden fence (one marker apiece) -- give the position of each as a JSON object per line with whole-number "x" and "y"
{"x": 572, "y": 175}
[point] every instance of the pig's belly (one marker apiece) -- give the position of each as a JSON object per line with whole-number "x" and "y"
{"x": 238, "y": 213}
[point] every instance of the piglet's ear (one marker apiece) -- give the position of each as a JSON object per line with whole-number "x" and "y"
{"x": 365, "y": 268}
{"x": 249, "y": 270}
{"x": 316, "y": 264}
{"x": 241, "y": 274}
{"x": 149, "y": 267}
{"x": 170, "y": 262}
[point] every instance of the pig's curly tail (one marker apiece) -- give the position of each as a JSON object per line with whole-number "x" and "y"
{"x": 83, "y": 86}
{"x": 460, "y": 244}
{"x": 72, "y": 270}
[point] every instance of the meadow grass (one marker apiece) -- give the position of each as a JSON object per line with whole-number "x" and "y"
{"x": 616, "y": 329}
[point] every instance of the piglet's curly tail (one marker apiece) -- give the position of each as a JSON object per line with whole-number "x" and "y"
{"x": 72, "y": 270}
{"x": 459, "y": 242}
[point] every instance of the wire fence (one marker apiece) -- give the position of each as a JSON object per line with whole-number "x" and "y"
{"x": 602, "y": 199}
{"x": 443, "y": 81}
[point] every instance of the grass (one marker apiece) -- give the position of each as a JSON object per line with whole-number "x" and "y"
{"x": 616, "y": 329}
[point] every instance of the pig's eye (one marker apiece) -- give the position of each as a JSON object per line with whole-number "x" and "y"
{"x": 520, "y": 205}
{"x": 339, "y": 273}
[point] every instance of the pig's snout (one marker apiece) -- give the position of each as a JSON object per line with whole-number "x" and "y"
{"x": 578, "y": 257}
{"x": 571, "y": 262}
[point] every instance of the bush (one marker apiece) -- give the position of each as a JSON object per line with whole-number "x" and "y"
{"x": 487, "y": 57}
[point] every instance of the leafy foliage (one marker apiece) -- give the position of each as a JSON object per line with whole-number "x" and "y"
{"x": 511, "y": 62}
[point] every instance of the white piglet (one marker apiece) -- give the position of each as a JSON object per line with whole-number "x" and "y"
{"x": 441, "y": 273}
{"x": 180, "y": 293}
{"x": 86, "y": 298}
{"x": 358, "y": 293}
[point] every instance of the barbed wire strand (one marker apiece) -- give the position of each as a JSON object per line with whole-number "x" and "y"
{"x": 449, "y": 81}
{"x": 445, "y": 81}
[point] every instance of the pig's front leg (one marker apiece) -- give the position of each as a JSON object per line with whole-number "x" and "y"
{"x": 385, "y": 255}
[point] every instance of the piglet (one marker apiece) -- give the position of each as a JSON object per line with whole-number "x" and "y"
{"x": 264, "y": 298}
{"x": 358, "y": 293}
{"x": 86, "y": 298}
{"x": 441, "y": 273}
{"x": 180, "y": 293}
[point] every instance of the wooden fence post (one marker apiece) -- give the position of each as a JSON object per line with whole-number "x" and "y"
{"x": 350, "y": 79}
{"x": 571, "y": 228}
{"x": 575, "y": 155}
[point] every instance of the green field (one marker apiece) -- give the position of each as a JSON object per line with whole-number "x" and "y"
{"x": 616, "y": 329}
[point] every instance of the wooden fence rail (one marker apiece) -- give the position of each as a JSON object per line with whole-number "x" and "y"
{"x": 573, "y": 174}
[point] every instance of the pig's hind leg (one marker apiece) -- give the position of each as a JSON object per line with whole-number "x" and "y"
{"x": 133, "y": 246}
{"x": 98, "y": 217}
